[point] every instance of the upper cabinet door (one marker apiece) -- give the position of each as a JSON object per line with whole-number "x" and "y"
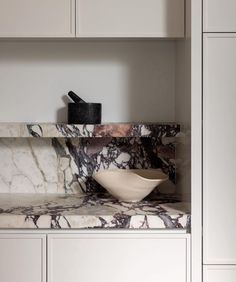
{"x": 219, "y": 15}
{"x": 130, "y": 18}
{"x": 219, "y": 150}
{"x": 37, "y": 18}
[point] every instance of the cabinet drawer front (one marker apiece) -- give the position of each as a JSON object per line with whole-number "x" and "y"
{"x": 37, "y": 18}
{"x": 219, "y": 273}
{"x": 219, "y": 15}
{"x": 116, "y": 258}
{"x": 219, "y": 153}
{"x": 22, "y": 258}
{"x": 130, "y": 18}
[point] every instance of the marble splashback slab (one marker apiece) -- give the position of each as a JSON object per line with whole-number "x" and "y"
{"x": 49, "y": 130}
{"x": 90, "y": 211}
{"x": 65, "y": 165}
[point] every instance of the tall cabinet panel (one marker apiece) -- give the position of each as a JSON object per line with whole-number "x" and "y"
{"x": 219, "y": 148}
{"x": 219, "y": 15}
{"x": 218, "y": 273}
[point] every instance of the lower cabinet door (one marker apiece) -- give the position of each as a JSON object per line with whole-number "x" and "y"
{"x": 22, "y": 258}
{"x": 218, "y": 273}
{"x": 117, "y": 257}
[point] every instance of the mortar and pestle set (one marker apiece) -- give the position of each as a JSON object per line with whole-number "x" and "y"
{"x": 81, "y": 112}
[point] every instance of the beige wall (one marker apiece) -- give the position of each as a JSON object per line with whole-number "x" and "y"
{"x": 134, "y": 80}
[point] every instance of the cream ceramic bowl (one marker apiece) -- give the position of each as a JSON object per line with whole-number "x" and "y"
{"x": 130, "y": 185}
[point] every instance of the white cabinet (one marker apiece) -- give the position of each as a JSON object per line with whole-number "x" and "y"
{"x": 219, "y": 273}
{"x": 219, "y": 15}
{"x": 219, "y": 149}
{"x": 118, "y": 257}
{"x": 130, "y": 18}
{"x": 37, "y": 18}
{"x": 22, "y": 258}
{"x": 94, "y": 18}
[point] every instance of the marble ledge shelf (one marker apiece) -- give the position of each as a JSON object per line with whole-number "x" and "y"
{"x": 50, "y": 211}
{"x": 60, "y": 130}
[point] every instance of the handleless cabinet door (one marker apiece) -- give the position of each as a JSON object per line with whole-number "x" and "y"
{"x": 219, "y": 15}
{"x": 219, "y": 149}
{"x": 219, "y": 273}
{"x": 116, "y": 258}
{"x": 130, "y": 18}
{"x": 22, "y": 258}
{"x": 37, "y": 18}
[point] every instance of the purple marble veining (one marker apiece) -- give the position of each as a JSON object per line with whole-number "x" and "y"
{"x": 105, "y": 130}
{"x": 61, "y": 158}
{"x": 90, "y": 211}
{"x": 92, "y": 155}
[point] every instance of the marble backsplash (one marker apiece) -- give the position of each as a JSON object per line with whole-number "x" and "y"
{"x": 65, "y": 165}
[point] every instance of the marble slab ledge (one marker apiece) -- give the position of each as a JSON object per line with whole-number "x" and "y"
{"x": 60, "y": 130}
{"x": 53, "y": 211}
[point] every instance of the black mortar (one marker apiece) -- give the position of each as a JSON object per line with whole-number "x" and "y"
{"x": 81, "y": 112}
{"x": 84, "y": 113}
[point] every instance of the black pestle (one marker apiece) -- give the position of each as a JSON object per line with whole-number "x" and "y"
{"x": 74, "y": 97}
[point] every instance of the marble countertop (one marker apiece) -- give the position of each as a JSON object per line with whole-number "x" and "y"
{"x": 53, "y": 211}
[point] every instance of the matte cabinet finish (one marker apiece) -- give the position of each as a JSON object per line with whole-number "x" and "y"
{"x": 37, "y": 18}
{"x": 22, "y": 258}
{"x": 130, "y": 18}
{"x": 92, "y": 18}
{"x": 126, "y": 258}
{"x": 219, "y": 15}
{"x": 219, "y": 273}
{"x": 219, "y": 149}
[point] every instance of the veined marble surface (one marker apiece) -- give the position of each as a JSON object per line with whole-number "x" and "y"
{"x": 90, "y": 211}
{"x": 65, "y": 165}
{"x": 50, "y": 130}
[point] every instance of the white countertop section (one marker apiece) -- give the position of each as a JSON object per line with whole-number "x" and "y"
{"x": 53, "y": 211}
